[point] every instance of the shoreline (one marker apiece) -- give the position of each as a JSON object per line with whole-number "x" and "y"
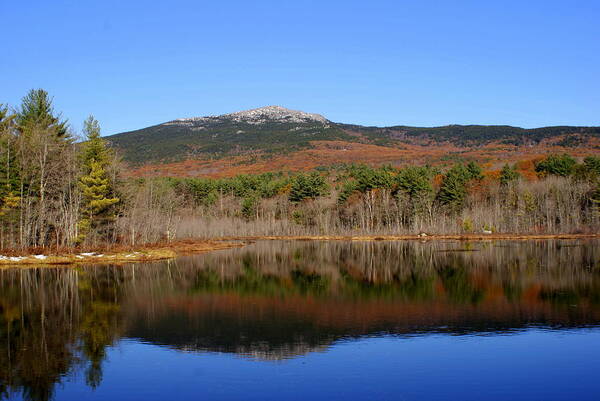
{"x": 409, "y": 237}
{"x": 154, "y": 252}
{"x": 145, "y": 253}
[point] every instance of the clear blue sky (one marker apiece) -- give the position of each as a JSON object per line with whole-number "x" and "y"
{"x": 138, "y": 63}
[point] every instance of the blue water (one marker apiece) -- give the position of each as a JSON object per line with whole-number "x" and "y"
{"x": 531, "y": 365}
{"x": 311, "y": 321}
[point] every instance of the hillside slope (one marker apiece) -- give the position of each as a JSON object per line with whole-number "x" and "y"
{"x": 270, "y": 129}
{"x": 274, "y": 137}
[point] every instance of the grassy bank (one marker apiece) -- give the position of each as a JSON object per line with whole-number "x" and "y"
{"x": 36, "y": 257}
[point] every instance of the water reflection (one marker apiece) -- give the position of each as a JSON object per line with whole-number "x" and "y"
{"x": 276, "y": 300}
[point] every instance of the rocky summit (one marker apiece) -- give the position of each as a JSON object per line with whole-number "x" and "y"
{"x": 276, "y": 113}
{"x": 257, "y": 116}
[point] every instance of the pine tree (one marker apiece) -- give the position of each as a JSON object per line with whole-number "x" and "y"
{"x": 308, "y": 186}
{"x": 474, "y": 171}
{"x": 561, "y": 165}
{"x": 592, "y": 164}
{"x": 46, "y": 173}
{"x": 415, "y": 181}
{"x": 37, "y": 111}
{"x": 509, "y": 174}
{"x": 414, "y": 186}
{"x": 95, "y": 148}
{"x": 454, "y": 187}
{"x": 96, "y": 187}
{"x": 249, "y": 207}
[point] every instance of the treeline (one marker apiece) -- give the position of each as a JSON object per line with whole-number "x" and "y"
{"x": 359, "y": 199}
{"x": 56, "y": 191}
{"x": 53, "y": 191}
{"x": 466, "y": 135}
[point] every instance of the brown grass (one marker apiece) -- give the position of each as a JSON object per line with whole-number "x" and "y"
{"x": 113, "y": 255}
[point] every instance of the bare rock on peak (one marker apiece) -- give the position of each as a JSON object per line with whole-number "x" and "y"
{"x": 258, "y": 116}
{"x": 278, "y": 113}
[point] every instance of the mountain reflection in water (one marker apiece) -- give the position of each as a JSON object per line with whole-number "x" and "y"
{"x": 277, "y": 300}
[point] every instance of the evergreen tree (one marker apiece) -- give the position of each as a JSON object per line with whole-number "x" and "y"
{"x": 453, "y": 190}
{"x": 454, "y": 187}
{"x": 592, "y": 164}
{"x": 249, "y": 205}
{"x": 37, "y": 110}
{"x": 474, "y": 171}
{"x": 415, "y": 191}
{"x": 97, "y": 190}
{"x": 308, "y": 186}
{"x": 368, "y": 178}
{"x": 39, "y": 147}
{"x": 348, "y": 188}
{"x": 415, "y": 181}
{"x": 362, "y": 178}
{"x": 509, "y": 174}
{"x": 95, "y": 148}
{"x": 562, "y": 165}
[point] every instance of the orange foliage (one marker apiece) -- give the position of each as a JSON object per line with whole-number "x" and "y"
{"x": 492, "y": 156}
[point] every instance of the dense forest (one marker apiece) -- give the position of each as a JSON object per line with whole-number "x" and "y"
{"x": 59, "y": 190}
{"x": 473, "y": 134}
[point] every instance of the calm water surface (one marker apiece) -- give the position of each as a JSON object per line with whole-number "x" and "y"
{"x": 311, "y": 321}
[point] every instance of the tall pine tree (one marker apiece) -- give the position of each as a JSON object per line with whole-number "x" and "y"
{"x": 46, "y": 171}
{"x": 454, "y": 188}
{"x": 98, "y": 192}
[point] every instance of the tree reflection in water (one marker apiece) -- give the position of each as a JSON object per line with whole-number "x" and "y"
{"x": 274, "y": 300}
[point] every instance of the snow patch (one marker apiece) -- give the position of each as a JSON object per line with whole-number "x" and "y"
{"x": 13, "y": 258}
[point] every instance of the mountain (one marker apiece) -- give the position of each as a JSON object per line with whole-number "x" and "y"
{"x": 271, "y": 129}
{"x": 274, "y": 137}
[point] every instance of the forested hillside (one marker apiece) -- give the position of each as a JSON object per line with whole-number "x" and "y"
{"x": 221, "y": 136}
{"x": 274, "y": 138}
{"x": 475, "y": 134}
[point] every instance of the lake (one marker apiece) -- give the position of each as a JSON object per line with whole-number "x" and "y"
{"x": 308, "y": 320}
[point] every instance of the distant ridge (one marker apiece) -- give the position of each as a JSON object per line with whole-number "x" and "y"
{"x": 273, "y": 131}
